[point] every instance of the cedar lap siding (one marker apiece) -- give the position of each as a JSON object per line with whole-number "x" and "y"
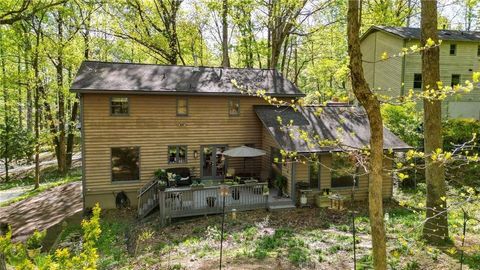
{"x": 152, "y": 123}
{"x": 395, "y": 76}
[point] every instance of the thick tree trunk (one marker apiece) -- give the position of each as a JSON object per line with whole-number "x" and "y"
{"x": 61, "y": 137}
{"x": 225, "y": 58}
{"x": 37, "y": 110}
{"x": 372, "y": 106}
{"x": 435, "y": 229}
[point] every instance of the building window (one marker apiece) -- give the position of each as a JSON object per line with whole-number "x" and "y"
{"x": 177, "y": 154}
{"x": 478, "y": 50}
{"x": 233, "y": 106}
{"x": 119, "y": 106}
{"x": 417, "y": 81}
{"x": 314, "y": 174}
{"x": 344, "y": 171}
{"x": 455, "y": 79}
{"x": 453, "y": 49}
{"x": 182, "y": 106}
{"x": 125, "y": 163}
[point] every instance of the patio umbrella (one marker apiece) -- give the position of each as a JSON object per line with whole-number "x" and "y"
{"x": 245, "y": 152}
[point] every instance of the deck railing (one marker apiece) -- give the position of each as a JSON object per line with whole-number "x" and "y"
{"x": 194, "y": 201}
{"x": 147, "y": 198}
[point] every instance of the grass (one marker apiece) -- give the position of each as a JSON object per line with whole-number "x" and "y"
{"x": 49, "y": 179}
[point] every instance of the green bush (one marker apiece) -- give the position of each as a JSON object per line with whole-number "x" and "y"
{"x": 405, "y": 122}
{"x": 459, "y": 131}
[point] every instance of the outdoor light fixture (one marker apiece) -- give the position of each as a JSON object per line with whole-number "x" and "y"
{"x": 195, "y": 154}
{"x": 223, "y": 193}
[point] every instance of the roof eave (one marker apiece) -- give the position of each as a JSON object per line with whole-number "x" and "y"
{"x": 154, "y": 92}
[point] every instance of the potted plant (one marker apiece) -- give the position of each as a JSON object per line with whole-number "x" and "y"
{"x": 266, "y": 191}
{"x": 211, "y": 201}
{"x": 160, "y": 175}
{"x": 162, "y": 185}
{"x": 281, "y": 183}
{"x": 34, "y": 243}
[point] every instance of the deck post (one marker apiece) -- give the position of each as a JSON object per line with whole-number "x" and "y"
{"x": 161, "y": 206}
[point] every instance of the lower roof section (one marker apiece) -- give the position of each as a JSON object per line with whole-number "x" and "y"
{"x": 317, "y": 129}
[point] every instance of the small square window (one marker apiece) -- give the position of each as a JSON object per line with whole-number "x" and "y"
{"x": 417, "y": 81}
{"x": 119, "y": 106}
{"x": 177, "y": 154}
{"x": 453, "y": 49}
{"x": 455, "y": 79}
{"x": 234, "y": 107}
{"x": 478, "y": 50}
{"x": 125, "y": 163}
{"x": 182, "y": 106}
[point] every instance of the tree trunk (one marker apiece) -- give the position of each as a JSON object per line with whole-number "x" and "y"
{"x": 435, "y": 229}
{"x": 372, "y": 106}
{"x": 61, "y": 137}
{"x": 37, "y": 109}
{"x": 6, "y": 112}
{"x": 225, "y": 58}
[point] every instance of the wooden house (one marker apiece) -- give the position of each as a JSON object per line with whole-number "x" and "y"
{"x": 137, "y": 118}
{"x": 459, "y": 58}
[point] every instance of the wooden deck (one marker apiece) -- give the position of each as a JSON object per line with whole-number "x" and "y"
{"x": 184, "y": 202}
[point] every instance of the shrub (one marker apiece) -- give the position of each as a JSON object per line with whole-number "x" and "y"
{"x": 405, "y": 122}
{"x": 36, "y": 239}
{"x": 459, "y": 131}
{"x": 62, "y": 258}
{"x": 298, "y": 255}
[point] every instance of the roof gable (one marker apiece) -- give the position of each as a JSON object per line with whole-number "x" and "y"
{"x": 163, "y": 79}
{"x": 347, "y": 124}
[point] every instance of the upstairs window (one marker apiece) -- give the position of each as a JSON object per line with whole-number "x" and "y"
{"x": 177, "y": 154}
{"x": 119, "y": 106}
{"x": 453, "y": 49}
{"x": 314, "y": 174}
{"x": 343, "y": 171}
{"x": 234, "y": 106}
{"x": 125, "y": 163}
{"x": 478, "y": 50}
{"x": 455, "y": 79}
{"x": 182, "y": 106}
{"x": 417, "y": 81}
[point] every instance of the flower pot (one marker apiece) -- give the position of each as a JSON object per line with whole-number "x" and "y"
{"x": 211, "y": 201}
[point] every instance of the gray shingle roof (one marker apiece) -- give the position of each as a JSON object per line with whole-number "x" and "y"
{"x": 348, "y": 124}
{"x": 148, "y": 78}
{"x": 415, "y": 33}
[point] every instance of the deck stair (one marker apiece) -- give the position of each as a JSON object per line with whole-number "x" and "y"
{"x": 147, "y": 198}
{"x": 281, "y": 204}
{"x": 278, "y": 203}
